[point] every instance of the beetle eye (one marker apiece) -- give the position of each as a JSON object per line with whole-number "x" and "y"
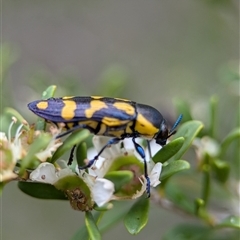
{"x": 162, "y": 135}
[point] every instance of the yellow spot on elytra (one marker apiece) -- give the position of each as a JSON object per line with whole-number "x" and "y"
{"x": 67, "y": 97}
{"x": 69, "y": 125}
{"x": 96, "y": 97}
{"x": 102, "y": 130}
{"x": 95, "y": 105}
{"x": 42, "y": 105}
{"x": 126, "y": 107}
{"x": 144, "y": 127}
{"x": 92, "y": 124}
{"x": 112, "y": 121}
{"x": 68, "y": 111}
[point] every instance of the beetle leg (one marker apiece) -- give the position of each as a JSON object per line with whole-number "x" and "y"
{"x": 149, "y": 149}
{"x": 70, "y": 160}
{"x": 109, "y": 143}
{"x": 141, "y": 152}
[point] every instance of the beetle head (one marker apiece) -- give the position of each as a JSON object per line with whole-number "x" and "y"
{"x": 163, "y": 134}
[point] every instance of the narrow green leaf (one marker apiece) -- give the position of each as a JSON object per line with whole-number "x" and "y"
{"x": 41, "y": 190}
{"x": 113, "y": 216}
{"x": 174, "y": 167}
{"x": 30, "y": 159}
{"x": 75, "y": 138}
{"x": 137, "y": 217}
{"x": 189, "y": 131}
{"x": 109, "y": 219}
{"x": 221, "y": 170}
{"x": 188, "y": 232}
{"x": 81, "y": 153}
{"x": 92, "y": 228}
{"x": 103, "y": 208}
{"x": 82, "y": 233}
{"x": 213, "y": 116}
{"x": 176, "y": 195}
{"x": 230, "y": 222}
{"x": 232, "y": 136}
{"x": 169, "y": 150}
{"x": 119, "y": 178}
{"x": 49, "y": 92}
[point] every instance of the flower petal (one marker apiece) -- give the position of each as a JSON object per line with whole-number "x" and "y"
{"x": 155, "y": 174}
{"x": 102, "y": 191}
{"x": 64, "y": 172}
{"x": 45, "y": 173}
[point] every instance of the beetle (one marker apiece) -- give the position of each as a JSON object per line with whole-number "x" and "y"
{"x": 113, "y": 117}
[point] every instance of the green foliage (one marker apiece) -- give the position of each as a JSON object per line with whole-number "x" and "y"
{"x": 209, "y": 164}
{"x": 137, "y": 217}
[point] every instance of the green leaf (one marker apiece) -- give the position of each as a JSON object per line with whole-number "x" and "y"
{"x": 189, "y": 131}
{"x": 221, "y": 170}
{"x": 109, "y": 219}
{"x": 168, "y": 150}
{"x": 114, "y": 215}
{"x": 188, "y": 232}
{"x": 213, "y": 116}
{"x": 48, "y": 93}
{"x": 81, "y": 153}
{"x": 82, "y": 233}
{"x": 92, "y": 228}
{"x": 137, "y": 217}
{"x": 41, "y": 190}
{"x": 176, "y": 195}
{"x": 201, "y": 211}
{"x": 119, "y": 178}
{"x": 232, "y": 136}
{"x": 30, "y": 160}
{"x": 174, "y": 167}
{"x": 103, "y": 208}
{"x": 75, "y": 138}
{"x": 183, "y": 108}
{"x": 230, "y": 222}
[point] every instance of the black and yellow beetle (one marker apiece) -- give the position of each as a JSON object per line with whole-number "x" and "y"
{"x": 112, "y": 117}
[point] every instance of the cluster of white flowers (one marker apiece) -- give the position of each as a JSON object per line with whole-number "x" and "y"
{"x": 102, "y": 190}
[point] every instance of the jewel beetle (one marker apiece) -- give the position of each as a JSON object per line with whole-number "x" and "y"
{"x": 113, "y": 117}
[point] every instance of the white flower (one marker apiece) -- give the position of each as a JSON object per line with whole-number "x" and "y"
{"x": 206, "y": 145}
{"x": 111, "y": 153}
{"x": 10, "y": 152}
{"x": 47, "y": 173}
{"x": 102, "y": 191}
{"x": 105, "y": 160}
{"x": 48, "y": 152}
{"x": 155, "y": 174}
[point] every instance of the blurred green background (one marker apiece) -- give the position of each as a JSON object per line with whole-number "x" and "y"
{"x": 155, "y": 51}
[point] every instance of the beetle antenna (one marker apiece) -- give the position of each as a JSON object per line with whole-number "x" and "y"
{"x": 173, "y": 130}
